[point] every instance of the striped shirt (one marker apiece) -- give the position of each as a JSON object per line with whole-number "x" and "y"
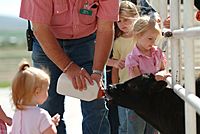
{"x": 70, "y": 19}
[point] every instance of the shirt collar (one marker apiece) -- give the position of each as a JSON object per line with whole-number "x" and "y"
{"x": 136, "y": 51}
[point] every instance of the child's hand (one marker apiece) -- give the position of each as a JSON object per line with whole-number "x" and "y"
{"x": 162, "y": 75}
{"x": 166, "y": 22}
{"x": 56, "y": 119}
{"x": 8, "y": 121}
{"x": 120, "y": 64}
{"x": 157, "y": 18}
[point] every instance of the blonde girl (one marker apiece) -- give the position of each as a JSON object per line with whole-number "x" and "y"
{"x": 29, "y": 89}
{"x": 129, "y": 121}
{"x": 124, "y": 42}
{"x": 115, "y": 66}
{"x": 146, "y": 57}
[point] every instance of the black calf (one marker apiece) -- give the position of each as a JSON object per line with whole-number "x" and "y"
{"x": 154, "y": 102}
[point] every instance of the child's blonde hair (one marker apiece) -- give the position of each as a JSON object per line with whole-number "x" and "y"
{"x": 142, "y": 24}
{"x": 25, "y": 82}
{"x": 128, "y": 9}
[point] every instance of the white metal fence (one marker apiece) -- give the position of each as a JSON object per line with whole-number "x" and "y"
{"x": 190, "y": 31}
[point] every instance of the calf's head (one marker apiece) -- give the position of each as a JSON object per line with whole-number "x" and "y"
{"x": 143, "y": 84}
{"x": 136, "y": 91}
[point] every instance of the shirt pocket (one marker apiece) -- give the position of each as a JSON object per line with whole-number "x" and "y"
{"x": 60, "y": 8}
{"x": 91, "y": 6}
{"x": 60, "y": 11}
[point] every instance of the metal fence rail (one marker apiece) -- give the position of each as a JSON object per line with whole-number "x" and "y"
{"x": 190, "y": 98}
{"x": 192, "y": 102}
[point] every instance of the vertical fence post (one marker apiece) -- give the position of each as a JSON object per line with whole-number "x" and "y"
{"x": 163, "y": 9}
{"x": 155, "y": 4}
{"x": 190, "y": 113}
{"x": 175, "y": 43}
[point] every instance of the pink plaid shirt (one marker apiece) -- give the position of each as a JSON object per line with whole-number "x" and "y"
{"x": 3, "y": 128}
{"x": 65, "y": 17}
{"x": 145, "y": 63}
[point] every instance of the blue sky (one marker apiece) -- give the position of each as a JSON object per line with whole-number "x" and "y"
{"x": 10, "y": 7}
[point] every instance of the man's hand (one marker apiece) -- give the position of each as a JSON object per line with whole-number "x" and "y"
{"x": 98, "y": 79}
{"x": 78, "y": 76}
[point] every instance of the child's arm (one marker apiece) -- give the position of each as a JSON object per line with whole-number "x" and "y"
{"x": 109, "y": 62}
{"x": 115, "y": 76}
{"x": 56, "y": 119}
{"x": 120, "y": 64}
{"x": 166, "y": 22}
{"x": 52, "y": 129}
{"x": 163, "y": 66}
{"x": 135, "y": 71}
{"x": 4, "y": 117}
{"x": 162, "y": 74}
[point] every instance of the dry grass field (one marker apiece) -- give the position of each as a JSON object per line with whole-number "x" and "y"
{"x": 9, "y": 59}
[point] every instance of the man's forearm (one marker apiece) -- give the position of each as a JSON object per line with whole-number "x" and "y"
{"x": 104, "y": 41}
{"x": 50, "y": 45}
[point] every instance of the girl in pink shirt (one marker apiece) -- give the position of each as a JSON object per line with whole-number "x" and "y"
{"x": 30, "y": 89}
{"x": 146, "y": 58}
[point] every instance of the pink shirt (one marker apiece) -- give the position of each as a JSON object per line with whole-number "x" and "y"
{"x": 64, "y": 16}
{"x": 145, "y": 63}
{"x": 3, "y": 128}
{"x": 33, "y": 120}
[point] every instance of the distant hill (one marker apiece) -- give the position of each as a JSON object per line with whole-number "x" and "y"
{"x": 12, "y": 23}
{"x": 12, "y": 30}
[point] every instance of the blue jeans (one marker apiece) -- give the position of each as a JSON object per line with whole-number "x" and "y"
{"x": 81, "y": 51}
{"x": 113, "y": 115}
{"x": 131, "y": 123}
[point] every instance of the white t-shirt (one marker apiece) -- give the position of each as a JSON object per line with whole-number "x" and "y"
{"x": 32, "y": 120}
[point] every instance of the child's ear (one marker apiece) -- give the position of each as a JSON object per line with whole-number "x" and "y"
{"x": 37, "y": 91}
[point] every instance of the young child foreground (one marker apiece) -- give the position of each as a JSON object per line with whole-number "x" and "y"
{"x": 30, "y": 89}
